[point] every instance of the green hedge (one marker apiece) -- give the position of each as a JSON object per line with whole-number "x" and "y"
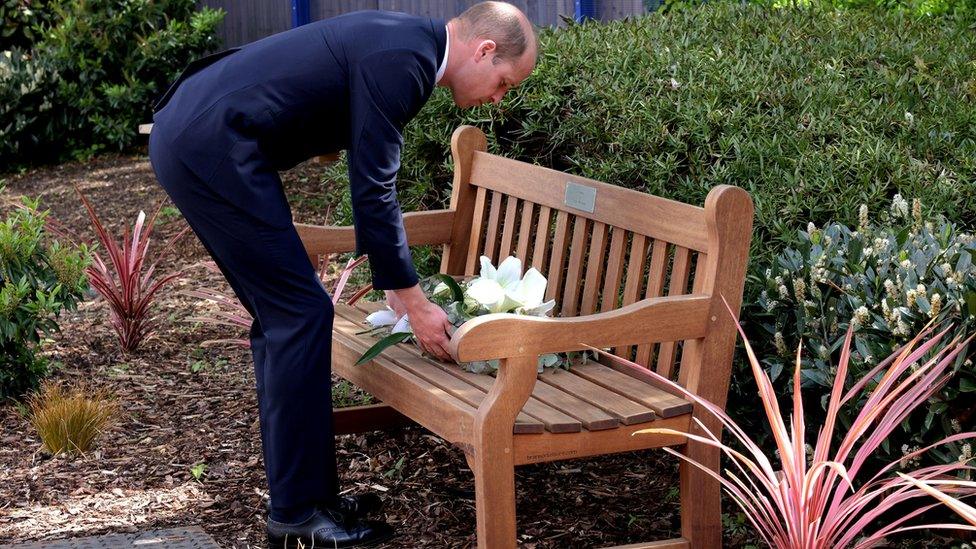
{"x": 91, "y": 78}
{"x": 21, "y": 22}
{"x": 812, "y": 111}
{"x": 958, "y": 8}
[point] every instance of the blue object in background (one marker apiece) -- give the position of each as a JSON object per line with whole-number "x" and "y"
{"x": 585, "y": 9}
{"x": 300, "y": 13}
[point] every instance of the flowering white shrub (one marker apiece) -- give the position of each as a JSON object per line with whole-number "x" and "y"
{"x": 889, "y": 279}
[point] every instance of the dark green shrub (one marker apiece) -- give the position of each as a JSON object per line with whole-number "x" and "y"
{"x": 962, "y": 8}
{"x": 39, "y": 278}
{"x": 28, "y": 118}
{"x": 921, "y": 7}
{"x": 92, "y": 78}
{"x": 889, "y": 279}
{"x": 814, "y": 112}
{"x": 22, "y": 21}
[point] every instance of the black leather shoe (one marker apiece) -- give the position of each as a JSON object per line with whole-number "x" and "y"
{"x": 354, "y": 506}
{"x": 359, "y": 505}
{"x": 327, "y": 528}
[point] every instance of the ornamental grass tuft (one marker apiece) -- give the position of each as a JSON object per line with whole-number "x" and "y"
{"x": 69, "y": 420}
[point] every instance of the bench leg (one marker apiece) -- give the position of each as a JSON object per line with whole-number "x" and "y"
{"x": 494, "y": 487}
{"x": 701, "y": 508}
{"x": 492, "y": 453}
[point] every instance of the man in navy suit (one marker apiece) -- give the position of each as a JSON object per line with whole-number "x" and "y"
{"x": 221, "y": 134}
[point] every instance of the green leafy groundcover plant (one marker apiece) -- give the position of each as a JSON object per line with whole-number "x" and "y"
{"x": 886, "y": 278}
{"x": 90, "y": 79}
{"x": 812, "y": 110}
{"x": 21, "y": 22}
{"x": 39, "y": 278}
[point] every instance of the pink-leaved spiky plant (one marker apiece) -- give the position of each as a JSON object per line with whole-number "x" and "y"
{"x": 827, "y": 502}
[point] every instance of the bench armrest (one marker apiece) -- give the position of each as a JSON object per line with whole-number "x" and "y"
{"x": 650, "y": 320}
{"x": 430, "y": 227}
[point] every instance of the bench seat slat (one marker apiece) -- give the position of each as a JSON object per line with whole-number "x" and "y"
{"x": 592, "y": 417}
{"x": 624, "y": 409}
{"x": 449, "y": 417}
{"x": 663, "y": 403}
{"x": 566, "y": 410}
{"x": 592, "y": 395}
{"x": 554, "y": 420}
{"x": 425, "y": 370}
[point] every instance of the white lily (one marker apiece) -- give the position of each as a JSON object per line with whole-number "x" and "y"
{"x": 505, "y": 289}
{"x": 402, "y": 325}
{"x": 490, "y": 294}
{"x": 383, "y": 317}
{"x": 530, "y": 293}
{"x": 386, "y": 317}
{"x": 508, "y": 273}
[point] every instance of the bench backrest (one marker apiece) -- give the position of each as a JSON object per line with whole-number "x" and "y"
{"x": 601, "y": 246}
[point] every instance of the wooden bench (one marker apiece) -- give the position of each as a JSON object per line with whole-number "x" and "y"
{"x": 630, "y": 271}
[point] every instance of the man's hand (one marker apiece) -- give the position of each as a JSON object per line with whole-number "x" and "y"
{"x": 428, "y": 321}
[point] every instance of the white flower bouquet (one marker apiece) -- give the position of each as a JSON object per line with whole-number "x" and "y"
{"x": 501, "y": 290}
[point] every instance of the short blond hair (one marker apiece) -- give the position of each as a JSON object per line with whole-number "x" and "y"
{"x": 501, "y": 22}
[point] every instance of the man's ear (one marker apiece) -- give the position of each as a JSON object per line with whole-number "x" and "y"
{"x": 484, "y": 48}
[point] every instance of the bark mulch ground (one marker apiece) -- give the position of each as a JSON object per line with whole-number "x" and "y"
{"x": 186, "y": 448}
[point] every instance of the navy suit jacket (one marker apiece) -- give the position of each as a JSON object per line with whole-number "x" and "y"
{"x": 347, "y": 83}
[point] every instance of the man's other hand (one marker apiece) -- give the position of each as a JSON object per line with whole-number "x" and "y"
{"x": 428, "y": 321}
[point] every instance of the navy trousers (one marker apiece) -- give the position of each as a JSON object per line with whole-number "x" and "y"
{"x": 291, "y": 335}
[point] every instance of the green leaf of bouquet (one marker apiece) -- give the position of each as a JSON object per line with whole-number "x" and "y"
{"x": 382, "y": 345}
{"x": 456, "y": 290}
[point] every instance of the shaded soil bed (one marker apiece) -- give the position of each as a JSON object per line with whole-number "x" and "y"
{"x": 185, "y": 404}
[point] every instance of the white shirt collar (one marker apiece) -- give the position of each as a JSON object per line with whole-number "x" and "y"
{"x": 447, "y": 47}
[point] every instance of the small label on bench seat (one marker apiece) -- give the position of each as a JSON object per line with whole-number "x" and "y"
{"x": 580, "y": 197}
